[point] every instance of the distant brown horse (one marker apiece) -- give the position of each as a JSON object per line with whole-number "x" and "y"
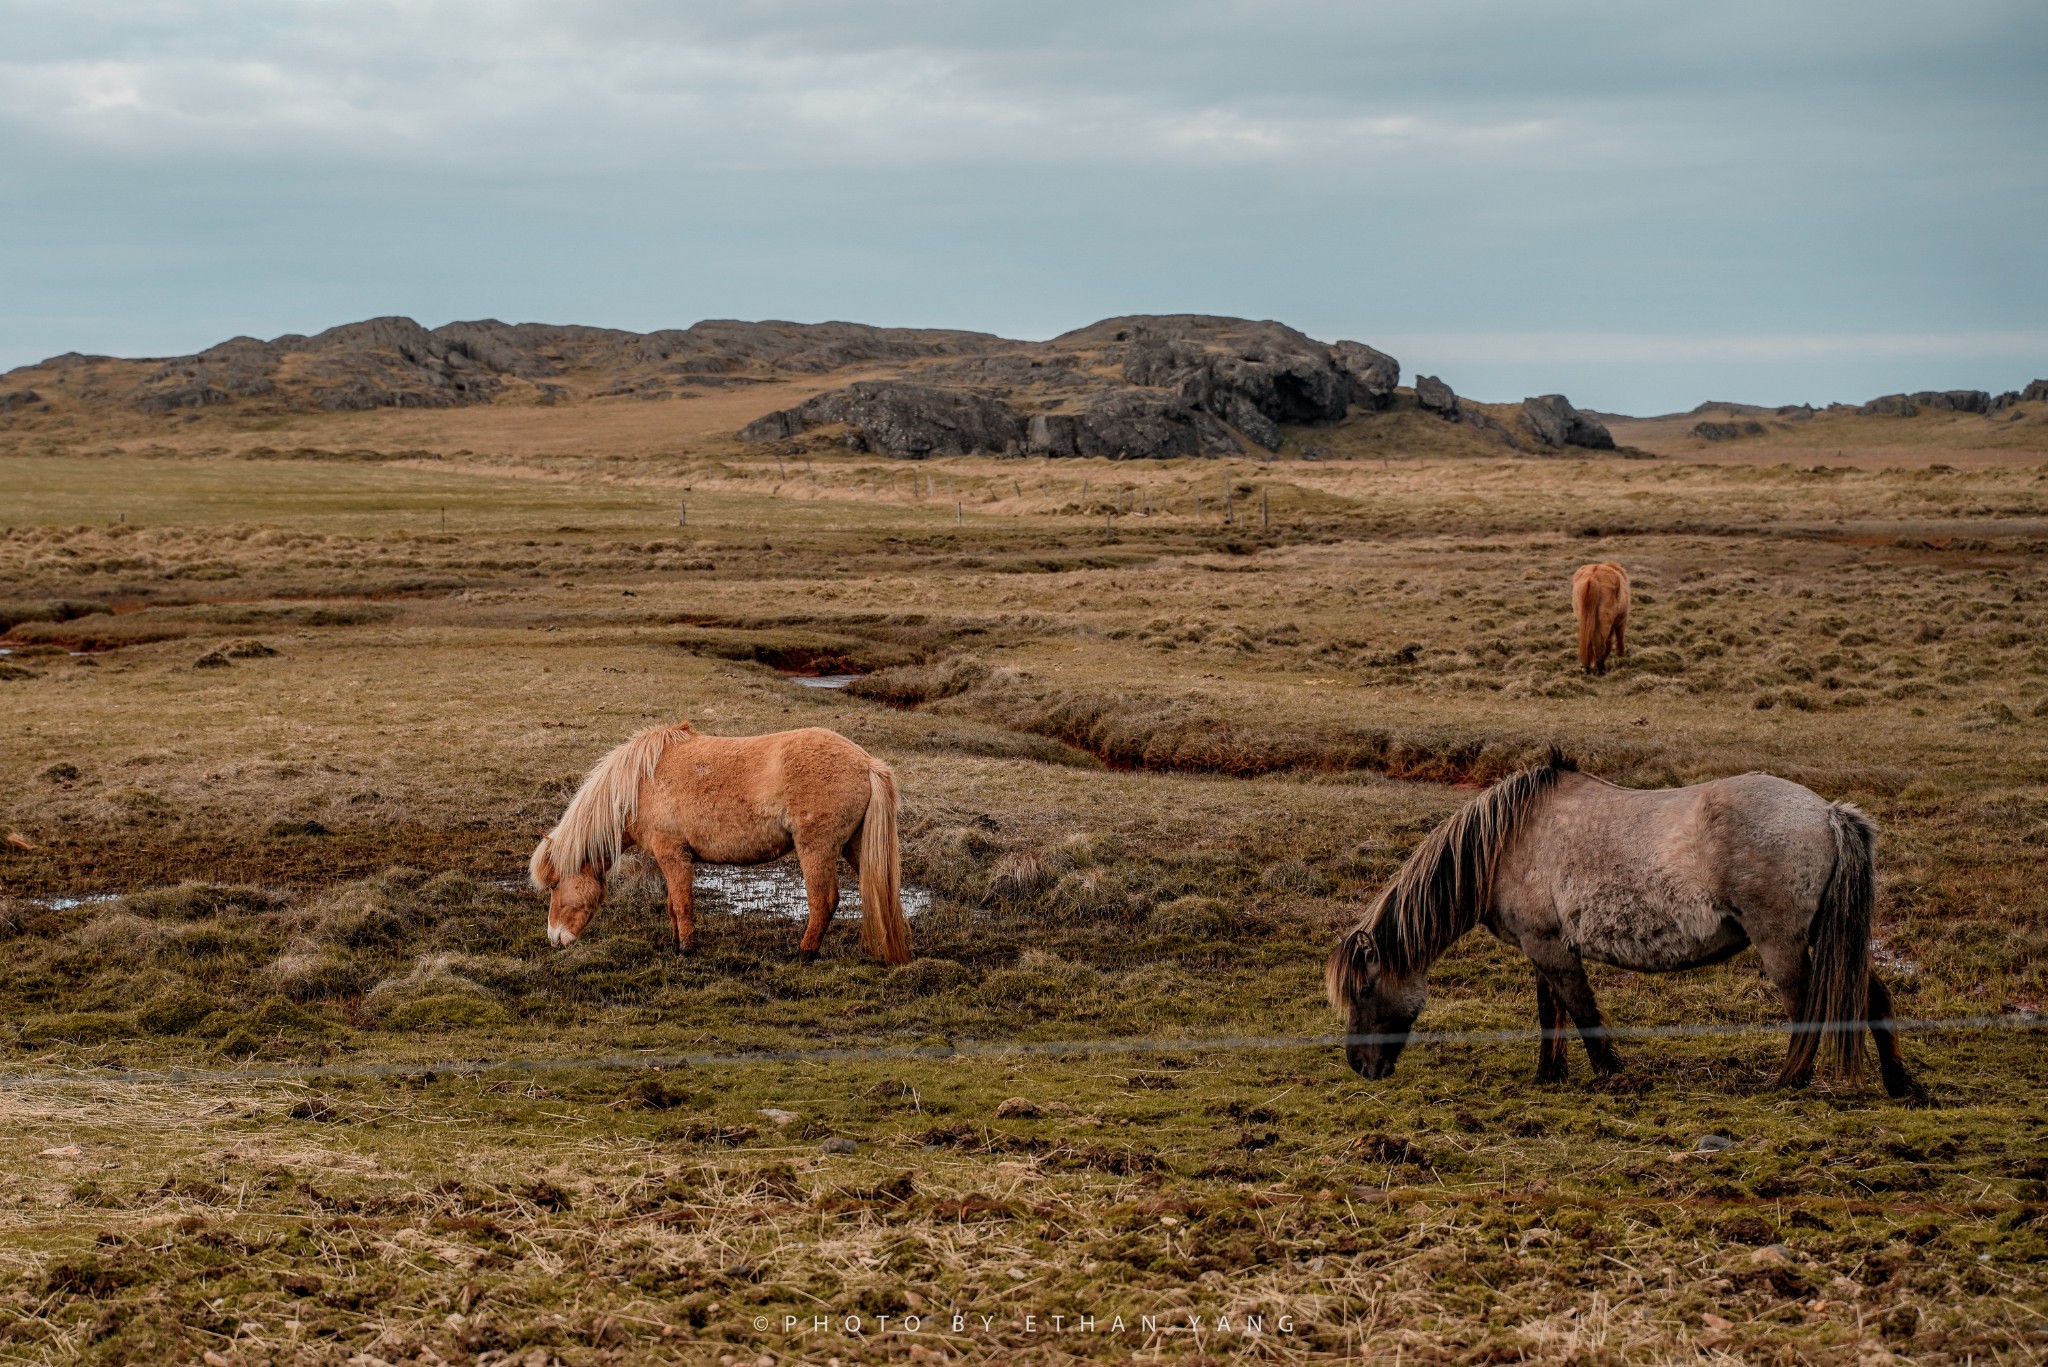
{"x": 1600, "y": 602}
{"x": 685, "y": 798}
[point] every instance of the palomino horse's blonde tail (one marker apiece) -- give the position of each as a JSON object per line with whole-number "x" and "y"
{"x": 592, "y": 832}
{"x": 884, "y": 932}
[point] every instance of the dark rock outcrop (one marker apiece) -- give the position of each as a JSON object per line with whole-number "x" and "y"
{"x": 1267, "y": 379}
{"x": 1373, "y": 373}
{"x": 909, "y": 421}
{"x": 1137, "y": 387}
{"x": 1255, "y": 376}
{"x": 1132, "y": 424}
{"x": 1954, "y": 400}
{"x": 1727, "y": 431}
{"x": 1890, "y": 406}
{"x": 18, "y": 398}
{"x": 1556, "y": 423}
{"x": 1436, "y": 397}
{"x": 2035, "y": 392}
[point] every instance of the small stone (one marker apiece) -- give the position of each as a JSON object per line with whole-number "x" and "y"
{"x": 1713, "y": 1143}
{"x": 1771, "y": 1255}
{"x": 1717, "y": 1324}
{"x": 212, "y": 659}
{"x": 778, "y": 1118}
{"x": 63, "y": 1151}
{"x": 1018, "y": 1108}
{"x": 839, "y": 1145}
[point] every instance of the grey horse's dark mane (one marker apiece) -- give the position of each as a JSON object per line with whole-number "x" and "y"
{"x": 1444, "y": 888}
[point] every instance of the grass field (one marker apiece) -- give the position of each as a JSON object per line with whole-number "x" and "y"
{"x": 1152, "y": 763}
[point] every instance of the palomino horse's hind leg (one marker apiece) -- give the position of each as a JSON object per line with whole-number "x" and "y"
{"x": 821, "y": 887}
{"x": 1551, "y": 1064}
{"x": 1897, "y": 1081}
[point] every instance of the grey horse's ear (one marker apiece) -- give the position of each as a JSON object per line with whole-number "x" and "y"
{"x": 1351, "y": 963}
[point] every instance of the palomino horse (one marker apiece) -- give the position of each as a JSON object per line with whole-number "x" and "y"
{"x": 1600, "y": 603}
{"x": 685, "y": 798}
{"x": 1566, "y": 867}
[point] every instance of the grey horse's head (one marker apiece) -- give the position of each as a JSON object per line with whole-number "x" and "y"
{"x": 1379, "y": 1006}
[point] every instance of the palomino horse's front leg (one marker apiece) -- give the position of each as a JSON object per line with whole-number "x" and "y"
{"x": 679, "y": 870}
{"x": 821, "y": 888}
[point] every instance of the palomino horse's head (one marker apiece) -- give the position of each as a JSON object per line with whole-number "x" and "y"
{"x": 572, "y": 898}
{"x": 1379, "y": 1006}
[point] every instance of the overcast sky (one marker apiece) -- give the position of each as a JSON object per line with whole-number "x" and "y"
{"x": 1640, "y": 204}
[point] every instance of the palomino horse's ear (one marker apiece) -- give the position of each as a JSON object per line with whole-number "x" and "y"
{"x": 542, "y": 868}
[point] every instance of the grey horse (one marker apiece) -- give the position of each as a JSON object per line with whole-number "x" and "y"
{"x": 1566, "y": 867}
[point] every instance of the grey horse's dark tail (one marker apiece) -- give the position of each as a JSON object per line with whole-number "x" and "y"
{"x": 1838, "y": 958}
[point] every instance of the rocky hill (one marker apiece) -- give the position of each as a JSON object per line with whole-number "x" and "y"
{"x": 396, "y": 363}
{"x": 1155, "y": 386}
{"x": 1139, "y": 386}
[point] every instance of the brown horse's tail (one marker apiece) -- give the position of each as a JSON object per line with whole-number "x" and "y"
{"x": 1838, "y": 959}
{"x": 884, "y": 932}
{"x": 1587, "y": 604}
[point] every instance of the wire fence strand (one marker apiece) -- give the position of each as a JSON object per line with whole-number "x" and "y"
{"x": 966, "y": 1049}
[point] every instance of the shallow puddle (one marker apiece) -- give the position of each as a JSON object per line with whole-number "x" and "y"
{"x": 822, "y": 680}
{"x": 65, "y": 903}
{"x": 1885, "y": 957}
{"x": 778, "y": 890}
{"x": 770, "y": 889}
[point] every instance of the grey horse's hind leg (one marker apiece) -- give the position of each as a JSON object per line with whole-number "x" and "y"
{"x": 1785, "y": 965}
{"x": 1551, "y": 1063}
{"x": 1897, "y": 1081}
{"x": 1567, "y": 977}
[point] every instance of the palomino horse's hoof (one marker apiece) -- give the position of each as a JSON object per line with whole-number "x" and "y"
{"x": 686, "y": 947}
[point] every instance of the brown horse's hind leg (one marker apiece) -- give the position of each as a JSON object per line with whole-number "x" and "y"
{"x": 1551, "y": 1063}
{"x": 821, "y": 887}
{"x": 1897, "y": 1081}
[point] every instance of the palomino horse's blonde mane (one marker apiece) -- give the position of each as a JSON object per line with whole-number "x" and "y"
{"x": 592, "y": 832}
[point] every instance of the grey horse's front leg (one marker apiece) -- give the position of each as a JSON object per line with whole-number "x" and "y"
{"x": 1551, "y": 1064}
{"x": 1567, "y": 977}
